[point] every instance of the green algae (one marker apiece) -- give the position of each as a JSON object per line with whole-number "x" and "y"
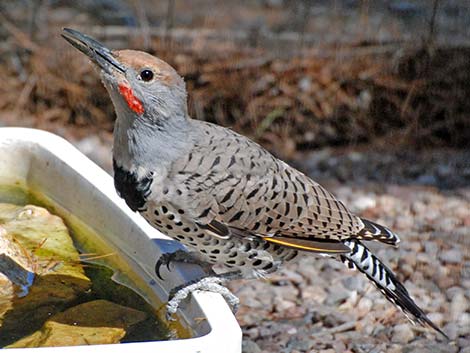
{"x": 101, "y": 270}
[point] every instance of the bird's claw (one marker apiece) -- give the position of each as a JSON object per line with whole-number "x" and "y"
{"x": 175, "y": 256}
{"x": 164, "y": 259}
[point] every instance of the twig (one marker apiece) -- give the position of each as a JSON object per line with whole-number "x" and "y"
{"x": 144, "y": 24}
{"x": 170, "y": 12}
{"x": 83, "y": 257}
{"x": 239, "y": 38}
{"x": 432, "y": 25}
{"x": 26, "y": 93}
{"x": 21, "y": 38}
{"x": 337, "y": 329}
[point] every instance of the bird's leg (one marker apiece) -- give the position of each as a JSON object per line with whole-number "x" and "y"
{"x": 180, "y": 256}
{"x": 211, "y": 283}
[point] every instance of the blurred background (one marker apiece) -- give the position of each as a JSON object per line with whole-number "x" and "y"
{"x": 371, "y": 98}
{"x": 294, "y": 75}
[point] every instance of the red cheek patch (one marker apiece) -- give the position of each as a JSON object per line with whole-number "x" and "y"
{"x": 131, "y": 100}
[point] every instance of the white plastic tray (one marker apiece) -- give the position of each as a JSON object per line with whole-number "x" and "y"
{"x": 51, "y": 165}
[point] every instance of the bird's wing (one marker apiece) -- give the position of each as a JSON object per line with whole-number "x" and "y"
{"x": 233, "y": 183}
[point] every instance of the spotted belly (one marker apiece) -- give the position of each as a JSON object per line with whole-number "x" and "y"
{"x": 236, "y": 252}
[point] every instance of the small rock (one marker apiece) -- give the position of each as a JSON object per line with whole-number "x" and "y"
{"x": 292, "y": 331}
{"x": 402, "y": 334}
{"x": 363, "y": 202}
{"x": 95, "y": 322}
{"x": 424, "y": 258}
{"x": 404, "y": 222}
{"x": 427, "y": 346}
{"x": 353, "y": 283}
{"x": 305, "y": 84}
{"x": 337, "y": 295}
{"x": 452, "y": 330}
{"x": 452, "y": 292}
{"x": 283, "y": 305}
{"x": 443, "y": 170}
{"x": 458, "y": 306}
{"x": 291, "y": 276}
{"x": 405, "y": 8}
{"x": 453, "y": 256}
{"x": 339, "y": 346}
{"x": 97, "y": 150}
{"x": 466, "y": 348}
{"x": 437, "y": 318}
{"x": 431, "y": 248}
{"x": 395, "y": 348}
{"x": 427, "y": 179}
{"x": 364, "y": 306}
{"x": 464, "y": 323}
{"x": 447, "y": 224}
{"x": 249, "y": 346}
{"x": 314, "y": 294}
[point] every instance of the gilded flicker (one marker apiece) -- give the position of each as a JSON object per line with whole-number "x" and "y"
{"x": 227, "y": 199}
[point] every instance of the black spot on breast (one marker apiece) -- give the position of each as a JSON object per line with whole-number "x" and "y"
{"x": 268, "y": 266}
{"x": 134, "y": 191}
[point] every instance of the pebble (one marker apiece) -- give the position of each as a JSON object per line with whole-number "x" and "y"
{"x": 364, "y": 306}
{"x": 291, "y": 276}
{"x": 314, "y": 294}
{"x": 396, "y": 348}
{"x": 402, "y": 334}
{"x": 427, "y": 179}
{"x": 362, "y": 203}
{"x": 453, "y": 256}
{"x": 337, "y": 294}
{"x": 249, "y": 346}
{"x": 403, "y": 222}
{"x": 305, "y": 83}
{"x": 437, "y": 318}
{"x": 353, "y": 283}
{"x": 466, "y": 349}
{"x": 430, "y": 248}
{"x": 464, "y": 323}
{"x": 339, "y": 346}
{"x": 451, "y": 330}
{"x": 283, "y": 305}
{"x": 97, "y": 150}
{"x": 423, "y": 346}
{"x": 458, "y": 306}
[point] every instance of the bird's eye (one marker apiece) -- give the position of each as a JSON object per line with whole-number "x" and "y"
{"x": 146, "y": 75}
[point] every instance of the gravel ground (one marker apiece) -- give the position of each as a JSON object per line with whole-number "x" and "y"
{"x": 318, "y": 305}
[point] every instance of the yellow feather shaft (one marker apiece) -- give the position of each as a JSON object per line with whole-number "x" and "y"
{"x": 339, "y": 250}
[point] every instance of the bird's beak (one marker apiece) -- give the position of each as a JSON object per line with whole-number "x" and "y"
{"x": 96, "y": 51}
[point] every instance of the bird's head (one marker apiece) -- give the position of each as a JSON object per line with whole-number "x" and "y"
{"x": 142, "y": 87}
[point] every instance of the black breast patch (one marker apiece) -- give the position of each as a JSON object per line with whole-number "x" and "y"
{"x": 134, "y": 191}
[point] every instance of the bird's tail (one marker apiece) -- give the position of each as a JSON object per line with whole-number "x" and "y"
{"x": 362, "y": 258}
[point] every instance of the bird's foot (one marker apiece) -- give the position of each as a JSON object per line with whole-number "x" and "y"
{"x": 178, "y": 256}
{"x": 212, "y": 284}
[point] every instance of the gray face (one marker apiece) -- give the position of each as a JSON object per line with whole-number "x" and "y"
{"x": 142, "y": 87}
{"x": 149, "y": 88}
{"x": 149, "y": 97}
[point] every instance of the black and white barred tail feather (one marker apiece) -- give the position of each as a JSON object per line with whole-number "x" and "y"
{"x": 362, "y": 258}
{"x": 374, "y": 231}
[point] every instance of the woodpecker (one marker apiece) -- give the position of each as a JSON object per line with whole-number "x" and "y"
{"x": 227, "y": 199}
